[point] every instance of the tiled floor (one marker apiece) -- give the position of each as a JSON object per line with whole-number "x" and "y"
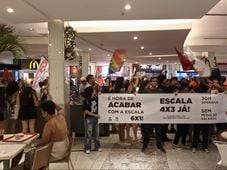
{"x": 115, "y": 156}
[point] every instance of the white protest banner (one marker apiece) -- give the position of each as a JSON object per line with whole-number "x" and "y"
{"x": 162, "y": 108}
{"x": 41, "y": 73}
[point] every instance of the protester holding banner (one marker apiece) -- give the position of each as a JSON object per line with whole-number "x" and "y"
{"x": 152, "y": 87}
{"x": 182, "y": 129}
{"x": 167, "y": 87}
{"x": 214, "y": 88}
{"x": 90, "y": 108}
{"x": 201, "y": 127}
{"x": 131, "y": 89}
{"x": 119, "y": 88}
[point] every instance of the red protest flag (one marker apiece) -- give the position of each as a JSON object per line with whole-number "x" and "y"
{"x": 185, "y": 62}
{"x": 6, "y": 75}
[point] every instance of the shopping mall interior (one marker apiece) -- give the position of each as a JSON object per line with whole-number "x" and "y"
{"x": 62, "y": 42}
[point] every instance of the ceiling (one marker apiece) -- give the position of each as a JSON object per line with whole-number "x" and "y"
{"x": 208, "y": 32}
{"x": 30, "y": 11}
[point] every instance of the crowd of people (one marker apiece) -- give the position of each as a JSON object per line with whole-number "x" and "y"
{"x": 188, "y": 133}
{"x": 22, "y": 106}
{"x": 23, "y": 101}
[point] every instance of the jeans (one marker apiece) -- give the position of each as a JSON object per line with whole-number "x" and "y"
{"x": 91, "y": 132}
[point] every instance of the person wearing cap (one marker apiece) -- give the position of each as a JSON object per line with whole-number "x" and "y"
{"x": 83, "y": 85}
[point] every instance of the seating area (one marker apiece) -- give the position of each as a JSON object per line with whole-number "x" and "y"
{"x": 222, "y": 157}
{"x": 115, "y": 156}
{"x": 40, "y": 159}
{"x": 67, "y": 158}
{"x": 36, "y": 158}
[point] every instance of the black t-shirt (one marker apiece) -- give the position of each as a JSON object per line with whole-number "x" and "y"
{"x": 156, "y": 90}
{"x": 91, "y": 105}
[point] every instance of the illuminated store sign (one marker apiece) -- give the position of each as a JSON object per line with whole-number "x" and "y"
{"x": 33, "y": 65}
{"x": 151, "y": 68}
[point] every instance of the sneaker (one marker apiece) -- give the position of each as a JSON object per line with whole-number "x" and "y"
{"x": 189, "y": 141}
{"x": 167, "y": 140}
{"x": 185, "y": 146}
{"x": 193, "y": 150}
{"x": 99, "y": 149}
{"x": 206, "y": 150}
{"x": 143, "y": 149}
{"x": 124, "y": 144}
{"x": 162, "y": 149}
{"x": 175, "y": 146}
{"x": 88, "y": 151}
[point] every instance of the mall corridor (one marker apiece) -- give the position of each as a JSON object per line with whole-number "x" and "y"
{"x": 115, "y": 156}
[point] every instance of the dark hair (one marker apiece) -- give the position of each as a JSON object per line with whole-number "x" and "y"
{"x": 119, "y": 83}
{"x": 41, "y": 84}
{"x": 26, "y": 96}
{"x": 88, "y": 92}
{"x": 126, "y": 85}
{"x": 184, "y": 85}
{"x": 12, "y": 87}
{"x": 153, "y": 78}
{"x": 173, "y": 78}
{"x": 48, "y": 107}
{"x": 143, "y": 85}
{"x": 161, "y": 78}
{"x": 89, "y": 77}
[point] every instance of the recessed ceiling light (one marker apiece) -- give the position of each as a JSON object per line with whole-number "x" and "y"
{"x": 10, "y": 10}
{"x": 159, "y": 58}
{"x": 127, "y": 7}
{"x": 135, "y": 37}
{"x": 167, "y": 61}
{"x": 150, "y": 53}
{"x": 142, "y": 47}
{"x": 108, "y": 55}
{"x": 89, "y": 49}
{"x": 31, "y": 29}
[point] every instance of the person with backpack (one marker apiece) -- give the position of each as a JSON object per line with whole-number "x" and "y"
{"x": 28, "y": 113}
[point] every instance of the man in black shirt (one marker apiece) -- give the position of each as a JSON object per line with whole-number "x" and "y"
{"x": 147, "y": 129}
{"x": 90, "y": 108}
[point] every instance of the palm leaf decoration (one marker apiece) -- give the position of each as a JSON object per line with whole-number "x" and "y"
{"x": 9, "y": 41}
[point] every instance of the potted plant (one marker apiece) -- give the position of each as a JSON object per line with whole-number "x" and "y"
{"x": 9, "y": 41}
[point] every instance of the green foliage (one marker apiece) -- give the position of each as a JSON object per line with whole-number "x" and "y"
{"x": 70, "y": 43}
{"x": 9, "y": 41}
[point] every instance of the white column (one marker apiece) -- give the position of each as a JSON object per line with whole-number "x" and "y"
{"x": 56, "y": 61}
{"x": 210, "y": 56}
{"x": 169, "y": 70}
{"x": 85, "y": 63}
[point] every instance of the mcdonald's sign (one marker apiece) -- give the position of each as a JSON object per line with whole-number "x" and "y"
{"x": 33, "y": 65}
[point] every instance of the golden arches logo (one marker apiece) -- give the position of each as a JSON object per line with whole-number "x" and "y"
{"x": 33, "y": 65}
